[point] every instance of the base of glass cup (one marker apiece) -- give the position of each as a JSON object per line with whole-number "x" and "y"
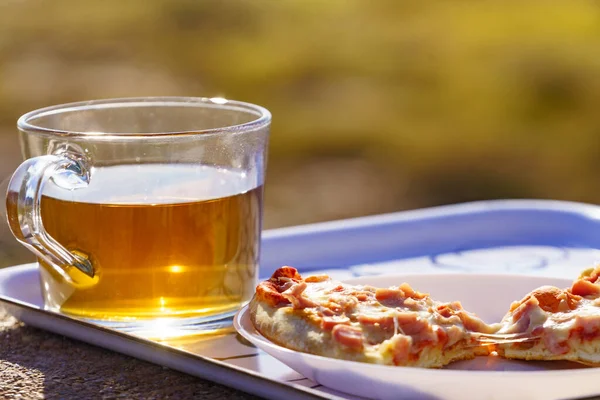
{"x": 163, "y": 329}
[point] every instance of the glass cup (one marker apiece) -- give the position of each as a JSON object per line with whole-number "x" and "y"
{"x": 144, "y": 213}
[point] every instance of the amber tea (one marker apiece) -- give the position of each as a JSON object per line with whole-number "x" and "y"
{"x": 165, "y": 241}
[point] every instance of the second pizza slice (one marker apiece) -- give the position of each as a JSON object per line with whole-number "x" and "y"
{"x": 562, "y": 324}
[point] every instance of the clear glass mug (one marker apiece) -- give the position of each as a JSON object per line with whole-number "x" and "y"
{"x": 144, "y": 209}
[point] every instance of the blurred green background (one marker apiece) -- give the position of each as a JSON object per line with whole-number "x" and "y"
{"x": 378, "y": 106}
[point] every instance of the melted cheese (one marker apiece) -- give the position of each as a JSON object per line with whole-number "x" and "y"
{"x": 383, "y": 322}
{"x": 556, "y": 328}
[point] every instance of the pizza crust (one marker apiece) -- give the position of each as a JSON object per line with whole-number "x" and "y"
{"x": 591, "y": 358}
{"x": 287, "y": 329}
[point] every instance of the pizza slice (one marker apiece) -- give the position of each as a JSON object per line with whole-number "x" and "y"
{"x": 391, "y": 326}
{"x": 562, "y": 324}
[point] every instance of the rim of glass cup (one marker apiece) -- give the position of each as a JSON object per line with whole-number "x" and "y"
{"x": 263, "y": 116}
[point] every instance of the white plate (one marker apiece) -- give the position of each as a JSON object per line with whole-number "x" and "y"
{"x": 489, "y": 296}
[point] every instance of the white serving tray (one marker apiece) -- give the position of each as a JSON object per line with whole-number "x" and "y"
{"x": 539, "y": 238}
{"x": 487, "y": 295}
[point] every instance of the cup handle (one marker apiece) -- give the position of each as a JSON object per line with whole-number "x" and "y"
{"x": 68, "y": 170}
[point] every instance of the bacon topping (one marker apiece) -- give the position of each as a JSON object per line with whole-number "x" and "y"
{"x": 525, "y": 308}
{"x": 584, "y": 287}
{"x": 384, "y": 321}
{"x": 398, "y": 295}
{"x": 348, "y": 336}
{"x": 586, "y": 328}
{"x": 553, "y": 299}
{"x": 555, "y": 346}
{"x": 442, "y": 336}
{"x": 474, "y": 324}
{"x": 286, "y": 272}
{"x": 409, "y": 292}
{"x": 410, "y": 324}
{"x": 411, "y": 303}
{"x": 592, "y": 274}
{"x": 338, "y": 288}
{"x": 346, "y": 303}
{"x": 390, "y": 295}
{"x": 537, "y": 331}
{"x": 407, "y": 323}
{"x": 269, "y": 293}
{"x": 282, "y": 279}
{"x": 329, "y": 323}
{"x": 333, "y": 307}
{"x": 317, "y": 278}
{"x": 449, "y": 309}
{"x": 448, "y": 313}
{"x": 295, "y": 295}
{"x": 363, "y": 295}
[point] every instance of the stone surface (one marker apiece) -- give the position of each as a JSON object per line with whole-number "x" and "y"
{"x": 35, "y": 364}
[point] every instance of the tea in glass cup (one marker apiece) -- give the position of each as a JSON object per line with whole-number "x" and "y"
{"x": 143, "y": 210}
